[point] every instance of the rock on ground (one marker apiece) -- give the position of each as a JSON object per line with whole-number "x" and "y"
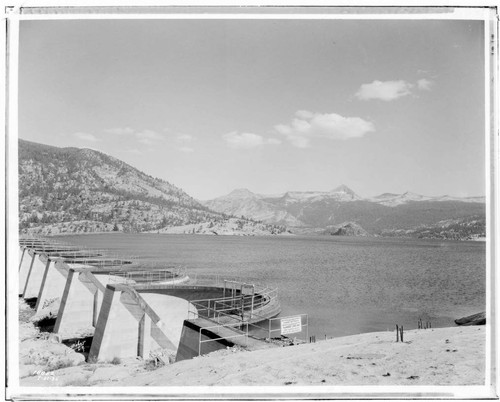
{"x": 45, "y": 355}
{"x": 45, "y": 362}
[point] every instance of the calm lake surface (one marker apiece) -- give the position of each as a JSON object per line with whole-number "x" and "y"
{"x": 345, "y": 285}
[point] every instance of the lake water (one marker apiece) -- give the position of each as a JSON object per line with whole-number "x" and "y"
{"x": 345, "y": 285}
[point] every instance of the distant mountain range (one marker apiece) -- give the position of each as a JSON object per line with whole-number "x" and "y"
{"x": 82, "y": 190}
{"x": 392, "y": 200}
{"x": 337, "y": 211}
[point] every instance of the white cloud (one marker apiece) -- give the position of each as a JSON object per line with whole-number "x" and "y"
{"x": 273, "y": 141}
{"x": 184, "y": 137}
{"x": 134, "y": 151}
{"x": 86, "y": 137}
{"x": 150, "y": 134}
{"x": 183, "y": 140}
{"x": 391, "y": 90}
{"x": 304, "y": 114}
{"x": 424, "y": 84}
{"x": 148, "y": 137}
{"x": 120, "y": 130}
{"x": 180, "y": 138}
{"x": 247, "y": 140}
{"x": 384, "y": 90}
{"x": 307, "y": 125}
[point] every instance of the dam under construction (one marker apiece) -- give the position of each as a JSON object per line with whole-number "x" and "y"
{"x": 128, "y": 307}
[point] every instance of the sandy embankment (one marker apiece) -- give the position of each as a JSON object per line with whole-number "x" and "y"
{"x": 444, "y": 356}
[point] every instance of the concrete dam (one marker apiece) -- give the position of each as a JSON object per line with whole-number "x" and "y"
{"x": 129, "y": 309}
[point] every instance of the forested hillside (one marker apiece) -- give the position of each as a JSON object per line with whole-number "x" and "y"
{"x": 83, "y": 190}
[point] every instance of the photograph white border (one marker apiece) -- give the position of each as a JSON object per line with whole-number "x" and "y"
{"x": 12, "y": 18}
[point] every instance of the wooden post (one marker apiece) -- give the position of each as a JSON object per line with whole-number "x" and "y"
{"x": 401, "y": 333}
{"x": 397, "y": 333}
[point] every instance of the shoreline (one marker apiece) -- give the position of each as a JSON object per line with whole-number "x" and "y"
{"x": 281, "y": 235}
{"x": 437, "y": 356}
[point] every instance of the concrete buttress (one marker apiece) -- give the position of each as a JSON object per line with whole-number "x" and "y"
{"x": 129, "y": 325}
{"x": 52, "y": 287}
{"x": 35, "y": 277}
{"x": 76, "y": 310}
{"x": 24, "y": 270}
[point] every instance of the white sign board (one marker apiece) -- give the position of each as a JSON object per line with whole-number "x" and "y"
{"x": 247, "y": 290}
{"x": 291, "y": 325}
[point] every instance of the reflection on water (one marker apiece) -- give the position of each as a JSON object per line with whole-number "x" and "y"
{"x": 346, "y": 285}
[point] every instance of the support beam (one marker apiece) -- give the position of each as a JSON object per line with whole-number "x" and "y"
{"x": 35, "y": 277}
{"x": 76, "y": 310}
{"x": 117, "y": 331}
{"x": 129, "y": 326}
{"x": 25, "y": 270}
{"x": 95, "y": 313}
{"x": 53, "y": 284}
{"x": 145, "y": 339}
{"x": 22, "y": 251}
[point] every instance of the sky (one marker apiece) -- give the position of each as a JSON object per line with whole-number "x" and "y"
{"x": 267, "y": 105}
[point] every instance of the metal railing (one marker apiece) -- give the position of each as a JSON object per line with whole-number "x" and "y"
{"x": 235, "y": 310}
{"x": 170, "y": 276}
{"x": 76, "y": 254}
{"x": 238, "y": 334}
{"x": 45, "y": 245}
{"x": 33, "y": 240}
{"x": 219, "y": 279}
{"x": 239, "y": 305}
{"x": 242, "y": 329}
{"x": 101, "y": 259}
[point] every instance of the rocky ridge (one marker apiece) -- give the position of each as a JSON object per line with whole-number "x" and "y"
{"x": 388, "y": 214}
{"x": 73, "y": 190}
{"x": 348, "y": 229}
